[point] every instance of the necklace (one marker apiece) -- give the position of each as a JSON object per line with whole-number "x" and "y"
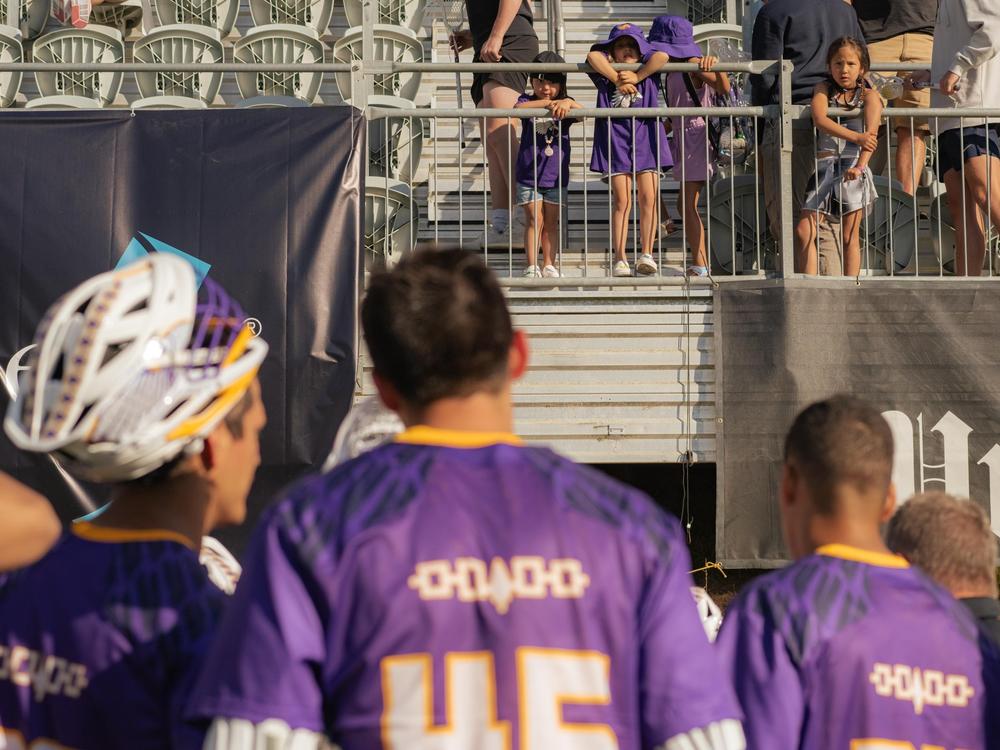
{"x": 549, "y": 137}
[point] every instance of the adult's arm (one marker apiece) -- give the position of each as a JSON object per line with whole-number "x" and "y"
{"x": 984, "y": 44}
{"x": 505, "y": 17}
{"x": 768, "y": 44}
{"x": 30, "y": 526}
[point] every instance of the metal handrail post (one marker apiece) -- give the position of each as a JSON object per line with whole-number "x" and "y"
{"x": 367, "y": 55}
{"x": 558, "y": 42}
{"x": 787, "y": 242}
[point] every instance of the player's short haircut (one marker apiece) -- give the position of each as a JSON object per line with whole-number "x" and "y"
{"x": 841, "y": 442}
{"x": 950, "y": 539}
{"x": 437, "y": 326}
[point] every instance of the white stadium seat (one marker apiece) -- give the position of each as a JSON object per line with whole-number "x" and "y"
{"x": 313, "y": 14}
{"x": 10, "y": 52}
{"x": 738, "y": 226}
{"x": 27, "y": 16}
{"x": 395, "y": 145}
{"x": 279, "y": 44}
{"x": 93, "y": 44}
{"x": 406, "y": 13}
{"x": 878, "y": 234}
{"x": 392, "y": 44}
{"x": 182, "y": 44}
{"x": 390, "y": 229}
{"x": 217, "y": 14}
{"x": 706, "y": 34}
{"x": 122, "y": 16}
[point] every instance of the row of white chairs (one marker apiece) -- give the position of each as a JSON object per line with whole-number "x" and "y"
{"x": 31, "y": 17}
{"x": 193, "y": 44}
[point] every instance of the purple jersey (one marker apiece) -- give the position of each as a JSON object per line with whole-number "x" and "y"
{"x": 634, "y": 142}
{"x": 100, "y": 641}
{"x": 853, "y": 649}
{"x": 485, "y": 596}
{"x": 541, "y": 155}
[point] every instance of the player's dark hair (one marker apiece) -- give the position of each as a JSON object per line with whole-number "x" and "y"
{"x": 842, "y": 441}
{"x": 950, "y": 539}
{"x": 560, "y": 78}
{"x": 855, "y": 44}
{"x": 437, "y": 326}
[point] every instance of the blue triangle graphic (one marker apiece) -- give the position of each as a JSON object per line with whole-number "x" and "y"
{"x": 135, "y": 251}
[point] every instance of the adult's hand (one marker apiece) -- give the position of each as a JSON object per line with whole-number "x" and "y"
{"x": 949, "y": 83}
{"x": 922, "y": 77}
{"x": 490, "y": 51}
{"x": 461, "y": 40}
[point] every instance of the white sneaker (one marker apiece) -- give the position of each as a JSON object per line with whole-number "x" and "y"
{"x": 646, "y": 266}
{"x": 621, "y": 268}
{"x": 532, "y": 272}
{"x": 550, "y": 272}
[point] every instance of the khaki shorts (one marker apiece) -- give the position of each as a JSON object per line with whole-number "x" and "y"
{"x": 906, "y": 48}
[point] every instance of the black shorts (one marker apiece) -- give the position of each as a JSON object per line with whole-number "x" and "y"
{"x": 522, "y": 48}
{"x": 958, "y": 145}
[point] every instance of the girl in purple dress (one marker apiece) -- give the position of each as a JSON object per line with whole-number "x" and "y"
{"x": 629, "y": 147}
{"x": 689, "y": 144}
{"x": 542, "y": 170}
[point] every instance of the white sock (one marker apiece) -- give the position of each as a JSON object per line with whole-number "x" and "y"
{"x": 501, "y": 219}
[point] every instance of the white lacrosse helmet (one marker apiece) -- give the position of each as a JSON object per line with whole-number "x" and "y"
{"x": 708, "y": 611}
{"x": 367, "y": 425}
{"x": 129, "y": 369}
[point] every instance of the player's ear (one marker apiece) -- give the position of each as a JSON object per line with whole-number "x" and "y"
{"x": 889, "y": 506}
{"x": 386, "y": 392}
{"x": 789, "y": 481}
{"x": 517, "y": 360}
{"x": 207, "y": 458}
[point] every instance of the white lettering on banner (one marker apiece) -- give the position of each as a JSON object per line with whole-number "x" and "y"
{"x": 46, "y": 674}
{"x": 909, "y": 462}
{"x": 921, "y": 687}
{"x": 469, "y": 579}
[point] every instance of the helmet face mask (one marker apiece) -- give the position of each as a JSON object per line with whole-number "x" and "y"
{"x": 129, "y": 370}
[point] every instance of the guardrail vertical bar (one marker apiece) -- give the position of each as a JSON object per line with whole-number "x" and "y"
{"x": 787, "y": 241}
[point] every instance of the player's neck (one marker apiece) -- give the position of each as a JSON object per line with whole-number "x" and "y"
{"x": 852, "y": 532}
{"x": 477, "y": 412}
{"x": 179, "y": 505}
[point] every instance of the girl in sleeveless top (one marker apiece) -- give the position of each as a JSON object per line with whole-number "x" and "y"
{"x": 842, "y": 186}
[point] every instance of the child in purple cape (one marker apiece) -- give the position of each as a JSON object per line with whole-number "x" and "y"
{"x": 629, "y": 146}
{"x": 542, "y": 169}
{"x": 689, "y": 145}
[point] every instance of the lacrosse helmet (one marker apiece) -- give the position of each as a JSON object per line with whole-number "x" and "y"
{"x": 130, "y": 368}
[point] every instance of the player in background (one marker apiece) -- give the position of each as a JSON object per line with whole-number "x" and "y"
{"x": 30, "y": 526}
{"x": 135, "y": 383}
{"x": 950, "y": 540}
{"x": 455, "y": 588}
{"x": 849, "y": 647}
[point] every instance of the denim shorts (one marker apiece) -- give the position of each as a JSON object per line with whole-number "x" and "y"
{"x": 527, "y": 194}
{"x": 958, "y": 145}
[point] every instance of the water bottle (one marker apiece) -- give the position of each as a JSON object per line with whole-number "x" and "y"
{"x": 890, "y": 87}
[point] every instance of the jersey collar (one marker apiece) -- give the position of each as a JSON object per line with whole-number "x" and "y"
{"x": 421, "y": 434}
{"x": 92, "y": 533}
{"x": 847, "y": 552}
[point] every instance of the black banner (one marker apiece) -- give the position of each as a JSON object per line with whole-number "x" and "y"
{"x": 269, "y": 201}
{"x": 925, "y": 352}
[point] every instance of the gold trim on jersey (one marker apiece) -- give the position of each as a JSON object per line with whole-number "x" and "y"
{"x": 90, "y": 532}
{"x": 421, "y": 434}
{"x": 847, "y": 552}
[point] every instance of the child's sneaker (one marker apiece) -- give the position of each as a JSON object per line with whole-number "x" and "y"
{"x": 699, "y": 271}
{"x": 550, "y": 272}
{"x": 532, "y": 272}
{"x": 621, "y": 268}
{"x": 646, "y": 265}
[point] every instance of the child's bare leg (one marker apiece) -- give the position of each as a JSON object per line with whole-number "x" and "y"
{"x": 550, "y": 239}
{"x": 649, "y": 193}
{"x": 621, "y": 188}
{"x": 532, "y": 214}
{"x": 851, "y": 232}
{"x": 692, "y": 220}
{"x": 805, "y": 244}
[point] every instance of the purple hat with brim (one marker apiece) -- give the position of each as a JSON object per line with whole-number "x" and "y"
{"x": 675, "y": 36}
{"x": 625, "y": 29}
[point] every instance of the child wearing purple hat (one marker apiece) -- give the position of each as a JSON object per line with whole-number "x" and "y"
{"x": 624, "y": 147}
{"x": 542, "y": 169}
{"x": 689, "y": 144}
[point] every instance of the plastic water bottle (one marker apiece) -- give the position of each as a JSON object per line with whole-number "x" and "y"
{"x": 890, "y": 87}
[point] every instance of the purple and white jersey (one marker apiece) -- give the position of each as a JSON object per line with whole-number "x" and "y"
{"x": 458, "y": 590}
{"x": 853, "y": 650}
{"x": 100, "y": 642}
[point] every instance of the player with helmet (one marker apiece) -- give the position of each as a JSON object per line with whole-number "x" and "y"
{"x": 455, "y": 588}
{"x": 138, "y": 383}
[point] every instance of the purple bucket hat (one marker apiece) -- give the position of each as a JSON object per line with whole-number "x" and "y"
{"x": 675, "y": 36}
{"x": 625, "y": 29}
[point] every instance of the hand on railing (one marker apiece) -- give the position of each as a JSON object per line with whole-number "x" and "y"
{"x": 707, "y": 62}
{"x": 949, "y": 83}
{"x": 560, "y": 108}
{"x": 920, "y": 79}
